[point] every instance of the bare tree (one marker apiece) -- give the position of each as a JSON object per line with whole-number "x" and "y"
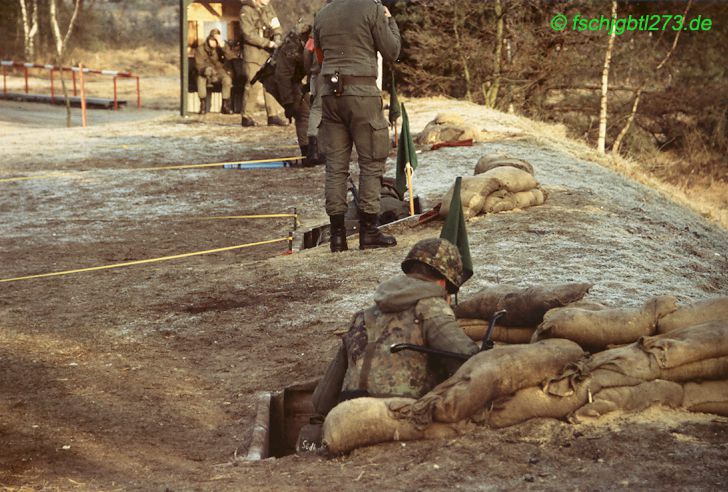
{"x": 638, "y": 93}
{"x": 29, "y": 19}
{"x": 490, "y": 93}
{"x": 601, "y": 142}
{"x": 61, "y": 44}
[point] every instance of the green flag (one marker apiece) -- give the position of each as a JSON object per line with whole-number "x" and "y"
{"x": 405, "y": 153}
{"x": 394, "y": 111}
{"x": 454, "y": 230}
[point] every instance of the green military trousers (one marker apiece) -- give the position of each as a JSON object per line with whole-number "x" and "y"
{"x": 347, "y": 121}
{"x": 219, "y": 76}
{"x": 250, "y": 94}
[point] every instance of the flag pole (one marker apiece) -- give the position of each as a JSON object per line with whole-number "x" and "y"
{"x": 408, "y": 171}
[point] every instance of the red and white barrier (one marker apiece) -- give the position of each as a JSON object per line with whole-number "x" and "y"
{"x": 74, "y": 70}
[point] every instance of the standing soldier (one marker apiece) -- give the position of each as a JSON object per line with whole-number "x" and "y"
{"x": 283, "y": 77}
{"x": 210, "y": 59}
{"x": 347, "y": 35}
{"x": 261, "y": 35}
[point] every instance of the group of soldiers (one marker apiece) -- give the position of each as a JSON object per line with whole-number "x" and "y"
{"x": 275, "y": 64}
{"x": 338, "y": 57}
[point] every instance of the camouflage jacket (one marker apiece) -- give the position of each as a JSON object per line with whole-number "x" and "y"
{"x": 350, "y": 33}
{"x": 259, "y": 26}
{"x": 407, "y": 310}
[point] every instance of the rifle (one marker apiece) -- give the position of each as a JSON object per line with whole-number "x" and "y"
{"x": 268, "y": 69}
{"x": 486, "y": 345}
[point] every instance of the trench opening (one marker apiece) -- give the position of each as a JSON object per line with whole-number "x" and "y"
{"x": 280, "y": 416}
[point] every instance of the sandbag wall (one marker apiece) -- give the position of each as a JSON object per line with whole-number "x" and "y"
{"x": 583, "y": 360}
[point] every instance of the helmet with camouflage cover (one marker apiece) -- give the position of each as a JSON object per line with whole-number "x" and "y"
{"x": 441, "y": 255}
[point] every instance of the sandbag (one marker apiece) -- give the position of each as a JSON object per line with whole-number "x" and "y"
{"x": 446, "y": 127}
{"x": 489, "y": 375}
{"x": 473, "y": 190}
{"x": 623, "y": 366}
{"x": 504, "y": 200}
{"x": 525, "y": 306}
{"x": 488, "y": 162}
{"x": 595, "y": 330}
{"x": 630, "y": 399}
{"x": 715, "y": 368}
{"x": 477, "y": 328}
{"x": 513, "y": 179}
{"x": 707, "y": 397}
{"x": 365, "y": 421}
{"x": 689, "y": 344}
{"x": 533, "y": 402}
{"x": 695, "y": 314}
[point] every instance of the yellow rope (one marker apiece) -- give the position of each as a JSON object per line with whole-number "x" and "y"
{"x": 163, "y": 168}
{"x": 151, "y": 260}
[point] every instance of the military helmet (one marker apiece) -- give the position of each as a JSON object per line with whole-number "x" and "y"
{"x": 441, "y": 255}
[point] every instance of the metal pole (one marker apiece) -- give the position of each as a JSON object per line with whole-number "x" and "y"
{"x": 25, "y": 70}
{"x": 295, "y": 218}
{"x": 83, "y": 95}
{"x": 116, "y": 103}
{"x": 139, "y": 94}
{"x": 73, "y": 74}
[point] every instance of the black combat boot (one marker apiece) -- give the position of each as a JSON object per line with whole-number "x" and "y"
{"x": 226, "y": 107}
{"x": 312, "y": 155}
{"x": 304, "y": 153}
{"x": 338, "y": 234}
{"x": 276, "y": 120}
{"x": 203, "y": 105}
{"x": 247, "y": 121}
{"x": 370, "y": 236}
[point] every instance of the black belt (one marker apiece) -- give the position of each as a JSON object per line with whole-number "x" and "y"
{"x": 358, "y": 80}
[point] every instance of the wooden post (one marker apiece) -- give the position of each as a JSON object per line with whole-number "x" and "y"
{"x": 53, "y": 92}
{"x": 116, "y": 102}
{"x": 408, "y": 171}
{"x": 83, "y": 96}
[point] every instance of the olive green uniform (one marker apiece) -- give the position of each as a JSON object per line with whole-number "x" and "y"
{"x": 406, "y": 310}
{"x": 349, "y": 33}
{"x": 210, "y": 65}
{"x": 285, "y": 83}
{"x": 259, "y": 26}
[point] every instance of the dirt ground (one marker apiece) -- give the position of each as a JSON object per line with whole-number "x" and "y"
{"x": 145, "y": 378}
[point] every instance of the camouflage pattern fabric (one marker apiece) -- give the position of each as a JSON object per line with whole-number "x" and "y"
{"x": 372, "y": 368}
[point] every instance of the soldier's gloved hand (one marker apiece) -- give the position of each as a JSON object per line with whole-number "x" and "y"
{"x": 208, "y": 72}
{"x": 277, "y": 40}
{"x": 290, "y": 111}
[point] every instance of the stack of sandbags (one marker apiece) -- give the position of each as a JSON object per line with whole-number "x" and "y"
{"x": 695, "y": 314}
{"x": 630, "y": 378}
{"x": 488, "y": 376}
{"x": 499, "y": 189}
{"x": 595, "y": 330}
{"x": 525, "y": 306}
{"x": 446, "y": 127}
